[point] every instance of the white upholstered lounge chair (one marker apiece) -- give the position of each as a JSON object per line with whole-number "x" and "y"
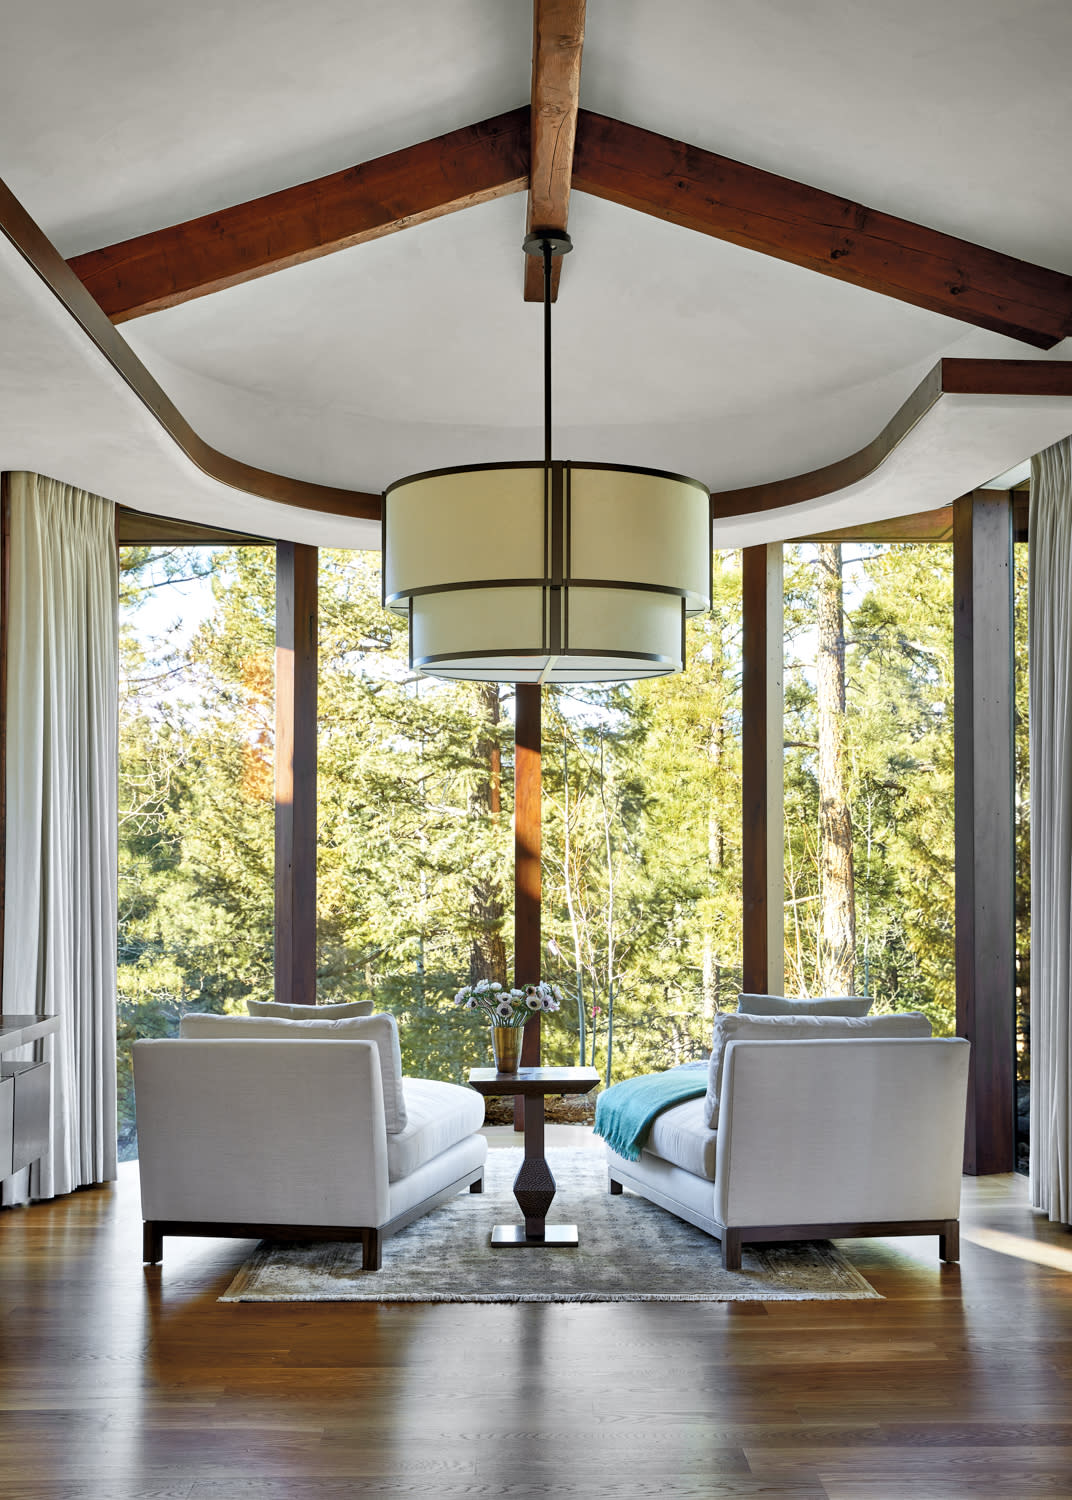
{"x": 813, "y": 1138}
{"x": 265, "y": 1128}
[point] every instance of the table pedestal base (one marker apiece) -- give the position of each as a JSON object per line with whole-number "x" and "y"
{"x": 534, "y": 1185}
{"x": 554, "y": 1237}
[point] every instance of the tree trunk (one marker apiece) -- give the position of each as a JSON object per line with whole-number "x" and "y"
{"x": 715, "y": 856}
{"x": 709, "y": 981}
{"x": 567, "y": 874}
{"x": 610, "y": 914}
{"x": 837, "y": 930}
{"x": 487, "y": 951}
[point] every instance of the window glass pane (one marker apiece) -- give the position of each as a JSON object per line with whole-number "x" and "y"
{"x": 869, "y": 775}
{"x": 196, "y": 812}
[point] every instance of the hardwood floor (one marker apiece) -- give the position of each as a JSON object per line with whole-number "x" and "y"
{"x": 120, "y": 1382}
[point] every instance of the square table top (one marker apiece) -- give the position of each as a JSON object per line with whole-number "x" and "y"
{"x": 534, "y": 1081}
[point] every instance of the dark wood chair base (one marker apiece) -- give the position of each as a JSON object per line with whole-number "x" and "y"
{"x": 735, "y": 1238}
{"x": 154, "y": 1230}
{"x": 152, "y": 1243}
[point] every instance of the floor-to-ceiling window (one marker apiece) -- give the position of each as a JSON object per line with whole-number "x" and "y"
{"x": 641, "y": 809}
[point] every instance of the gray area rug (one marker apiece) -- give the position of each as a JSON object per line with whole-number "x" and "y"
{"x": 630, "y": 1251}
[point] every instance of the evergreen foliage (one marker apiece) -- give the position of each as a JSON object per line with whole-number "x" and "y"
{"x": 642, "y": 816}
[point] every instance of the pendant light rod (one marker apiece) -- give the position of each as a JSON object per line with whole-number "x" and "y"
{"x": 547, "y": 352}
{"x": 547, "y": 243}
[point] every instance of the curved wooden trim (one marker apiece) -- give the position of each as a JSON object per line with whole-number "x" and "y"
{"x": 43, "y": 258}
{"x": 971, "y": 377}
{"x": 137, "y": 528}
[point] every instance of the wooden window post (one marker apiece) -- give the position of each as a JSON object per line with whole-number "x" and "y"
{"x": 527, "y": 835}
{"x": 5, "y": 594}
{"x": 295, "y": 773}
{"x": 762, "y": 753}
{"x": 983, "y": 700}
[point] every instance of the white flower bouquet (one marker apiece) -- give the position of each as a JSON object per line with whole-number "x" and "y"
{"x": 504, "y": 1007}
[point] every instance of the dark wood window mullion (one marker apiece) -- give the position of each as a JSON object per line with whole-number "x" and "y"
{"x": 761, "y": 771}
{"x": 983, "y": 699}
{"x": 5, "y": 593}
{"x": 295, "y": 773}
{"x": 528, "y": 785}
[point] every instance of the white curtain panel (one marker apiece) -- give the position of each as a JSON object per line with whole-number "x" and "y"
{"x": 60, "y": 914}
{"x": 1050, "y": 661}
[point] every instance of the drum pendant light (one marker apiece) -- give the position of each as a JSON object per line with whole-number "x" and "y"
{"x": 547, "y": 571}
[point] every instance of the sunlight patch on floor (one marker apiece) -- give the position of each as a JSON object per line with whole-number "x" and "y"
{"x": 1021, "y": 1247}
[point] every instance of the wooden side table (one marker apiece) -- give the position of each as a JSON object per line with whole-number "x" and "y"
{"x": 534, "y": 1186}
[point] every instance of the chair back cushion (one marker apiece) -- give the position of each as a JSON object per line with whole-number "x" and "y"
{"x": 824, "y": 1005}
{"x": 381, "y": 1029}
{"x": 731, "y": 1028}
{"x": 283, "y": 1012}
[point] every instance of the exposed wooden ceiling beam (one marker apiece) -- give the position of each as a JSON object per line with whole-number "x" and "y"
{"x": 557, "y": 40}
{"x": 820, "y": 231}
{"x": 173, "y": 265}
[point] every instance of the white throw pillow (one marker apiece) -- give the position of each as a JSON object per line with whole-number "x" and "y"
{"x": 824, "y": 1005}
{"x": 381, "y": 1029}
{"x": 737, "y": 1028}
{"x": 283, "y": 1012}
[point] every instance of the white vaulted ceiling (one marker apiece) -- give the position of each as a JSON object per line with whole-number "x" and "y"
{"x": 416, "y": 350}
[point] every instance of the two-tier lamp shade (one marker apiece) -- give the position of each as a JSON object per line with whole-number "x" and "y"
{"x": 529, "y": 572}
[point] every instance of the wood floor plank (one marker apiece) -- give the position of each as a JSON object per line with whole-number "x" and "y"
{"x": 125, "y": 1384}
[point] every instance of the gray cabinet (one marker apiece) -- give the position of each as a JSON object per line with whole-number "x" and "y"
{"x": 25, "y": 1093}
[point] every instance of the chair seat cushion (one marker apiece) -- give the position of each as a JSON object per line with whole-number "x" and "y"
{"x": 680, "y": 1136}
{"x": 438, "y": 1115}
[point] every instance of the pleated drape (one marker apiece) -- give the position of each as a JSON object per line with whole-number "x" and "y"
{"x": 60, "y": 910}
{"x": 1050, "y": 663}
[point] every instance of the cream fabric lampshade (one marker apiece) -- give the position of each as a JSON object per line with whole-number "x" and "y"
{"x": 547, "y": 573}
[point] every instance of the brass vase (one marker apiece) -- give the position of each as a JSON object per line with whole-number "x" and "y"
{"x": 506, "y": 1047}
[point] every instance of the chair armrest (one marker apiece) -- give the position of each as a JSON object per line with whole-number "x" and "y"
{"x": 269, "y": 1132}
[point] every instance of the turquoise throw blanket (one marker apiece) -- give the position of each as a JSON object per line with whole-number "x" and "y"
{"x": 624, "y": 1112}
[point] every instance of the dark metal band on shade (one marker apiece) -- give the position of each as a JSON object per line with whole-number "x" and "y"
{"x": 536, "y": 463}
{"x": 559, "y": 678}
{"x": 402, "y": 595}
{"x": 654, "y": 658}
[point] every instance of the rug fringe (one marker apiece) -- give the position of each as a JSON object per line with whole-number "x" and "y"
{"x": 590, "y": 1297}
